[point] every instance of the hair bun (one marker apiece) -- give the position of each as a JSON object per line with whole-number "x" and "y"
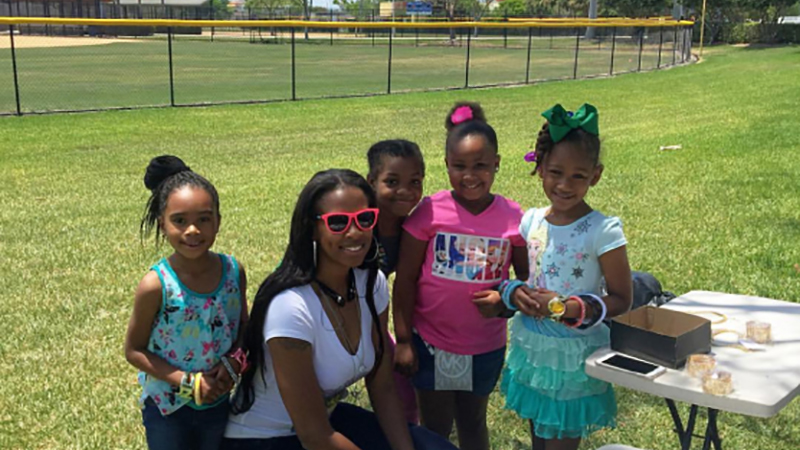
{"x": 161, "y": 168}
{"x": 464, "y": 112}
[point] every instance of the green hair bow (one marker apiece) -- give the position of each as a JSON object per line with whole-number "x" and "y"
{"x": 562, "y": 122}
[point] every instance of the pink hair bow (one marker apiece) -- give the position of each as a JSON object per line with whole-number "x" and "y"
{"x": 461, "y": 114}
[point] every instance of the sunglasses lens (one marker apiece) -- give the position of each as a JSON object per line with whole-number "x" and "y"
{"x": 338, "y": 222}
{"x": 366, "y": 219}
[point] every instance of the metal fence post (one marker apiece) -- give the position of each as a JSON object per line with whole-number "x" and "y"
{"x": 331, "y": 13}
{"x": 466, "y": 77}
{"x": 505, "y": 34}
{"x": 372, "y": 30}
{"x": 641, "y": 43}
{"x": 389, "y": 71}
{"x": 660, "y": 45}
{"x": 528, "y": 61}
{"x": 613, "y": 49}
{"x": 687, "y": 47}
{"x": 674, "y": 43}
{"x": 14, "y": 68}
{"x": 28, "y": 14}
{"x": 294, "y": 82}
{"x": 213, "y": 16}
{"x": 171, "y": 76}
{"x": 577, "y": 47}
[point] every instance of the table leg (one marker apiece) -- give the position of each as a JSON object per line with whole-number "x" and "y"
{"x": 712, "y": 432}
{"x": 686, "y": 441}
{"x": 676, "y": 418}
{"x": 684, "y": 436}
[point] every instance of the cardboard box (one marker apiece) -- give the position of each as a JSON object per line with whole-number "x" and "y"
{"x": 661, "y": 336}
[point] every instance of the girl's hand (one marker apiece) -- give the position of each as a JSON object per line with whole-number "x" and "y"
{"x": 405, "y": 359}
{"x": 543, "y": 296}
{"x": 220, "y": 373}
{"x": 209, "y": 389}
{"x": 489, "y": 303}
{"x": 524, "y": 298}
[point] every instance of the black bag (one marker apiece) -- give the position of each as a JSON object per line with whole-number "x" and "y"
{"x": 647, "y": 291}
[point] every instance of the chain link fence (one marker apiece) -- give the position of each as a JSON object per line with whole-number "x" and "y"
{"x": 126, "y": 64}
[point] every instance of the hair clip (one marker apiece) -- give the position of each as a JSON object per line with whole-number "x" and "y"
{"x": 461, "y": 114}
{"x": 531, "y": 156}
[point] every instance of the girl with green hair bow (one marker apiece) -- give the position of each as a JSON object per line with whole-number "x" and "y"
{"x": 571, "y": 250}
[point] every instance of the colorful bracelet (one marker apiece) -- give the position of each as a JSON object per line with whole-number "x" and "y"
{"x": 507, "y": 289}
{"x": 198, "y": 400}
{"x": 186, "y": 387}
{"x": 240, "y": 356}
{"x": 234, "y": 376}
{"x": 599, "y": 311}
{"x": 575, "y": 323}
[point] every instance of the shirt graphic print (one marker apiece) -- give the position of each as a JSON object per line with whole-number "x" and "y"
{"x": 468, "y": 258}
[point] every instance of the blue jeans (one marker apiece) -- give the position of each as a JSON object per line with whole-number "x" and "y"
{"x": 357, "y": 424}
{"x": 186, "y": 428}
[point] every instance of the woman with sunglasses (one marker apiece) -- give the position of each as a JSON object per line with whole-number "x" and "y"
{"x": 318, "y": 325}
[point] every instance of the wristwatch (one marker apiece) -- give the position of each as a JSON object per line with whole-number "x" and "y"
{"x": 557, "y": 307}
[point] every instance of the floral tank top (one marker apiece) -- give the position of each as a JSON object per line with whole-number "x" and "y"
{"x": 191, "y": 330}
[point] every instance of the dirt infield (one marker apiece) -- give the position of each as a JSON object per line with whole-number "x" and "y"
{"x": 55, "y": 41}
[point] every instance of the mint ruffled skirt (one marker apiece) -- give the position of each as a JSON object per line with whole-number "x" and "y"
{"x": 544, "y": 379}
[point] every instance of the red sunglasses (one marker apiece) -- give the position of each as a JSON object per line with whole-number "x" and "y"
{"x": 339, "y": 222}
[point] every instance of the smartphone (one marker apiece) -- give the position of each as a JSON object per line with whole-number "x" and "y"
{"x": 632, "y": 365}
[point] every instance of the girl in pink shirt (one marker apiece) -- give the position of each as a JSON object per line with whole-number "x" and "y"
{"x": 457, "y": 246}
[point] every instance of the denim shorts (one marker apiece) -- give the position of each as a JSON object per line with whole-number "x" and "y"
{"x": 486, "y": 368}
{"x": 185, "y": 429}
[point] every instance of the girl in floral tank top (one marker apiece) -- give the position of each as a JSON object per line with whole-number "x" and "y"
{"x": 188, "y": 315}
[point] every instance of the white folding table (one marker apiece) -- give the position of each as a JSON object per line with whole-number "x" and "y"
{"x": 763, "y": 381}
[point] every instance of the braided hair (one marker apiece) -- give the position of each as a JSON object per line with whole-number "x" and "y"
{"x": 459, "y": 127}
{"x": 589, "y": 142}
{"x": 164, "y": 175}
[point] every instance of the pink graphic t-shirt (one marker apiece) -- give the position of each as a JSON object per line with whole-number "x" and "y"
{"x": 466, "y": 253}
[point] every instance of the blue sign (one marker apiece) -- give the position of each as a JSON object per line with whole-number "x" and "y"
{"x": 423, "y": 8}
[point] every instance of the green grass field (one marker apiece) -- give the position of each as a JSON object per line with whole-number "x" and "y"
{"x": 721, "y": 214}
{"x": 136, "y": 73}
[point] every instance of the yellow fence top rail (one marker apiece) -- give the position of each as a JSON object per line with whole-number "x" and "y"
{"x": 524, "y": 23}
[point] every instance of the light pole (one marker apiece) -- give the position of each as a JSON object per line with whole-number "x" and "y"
{"x": 592, "y": 15}
{"x": 702, "y": 27}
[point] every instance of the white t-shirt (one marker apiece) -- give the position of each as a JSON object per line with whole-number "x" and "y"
{"x": 298, "y": 313}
